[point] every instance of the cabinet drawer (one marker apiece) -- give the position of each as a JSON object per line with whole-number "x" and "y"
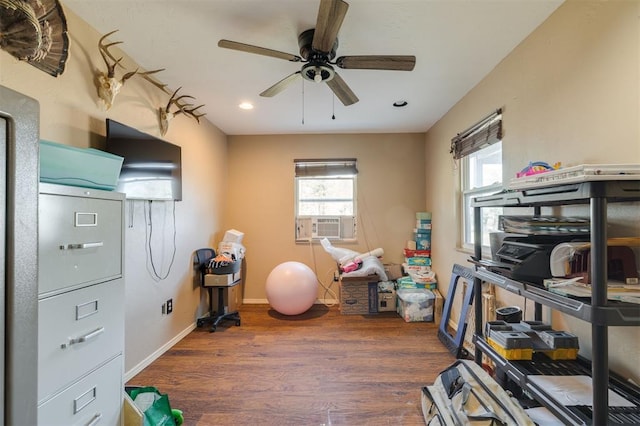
{"x": 80, "y": 241}
{"x": 94, "y": 400}
{"x": 78, "y": 330}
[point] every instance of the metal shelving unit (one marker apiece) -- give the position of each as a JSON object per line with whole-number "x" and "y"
{"x": 599, "y": 312}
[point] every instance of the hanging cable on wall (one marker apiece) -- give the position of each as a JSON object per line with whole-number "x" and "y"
{"x": 149, "y": 235}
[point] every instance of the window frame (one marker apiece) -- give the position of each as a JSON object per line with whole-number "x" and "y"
{"x": 474, "y": 142}
{"x": 327, "y": 169}
{"x": 352, "y": 199}
{"x": 466, "y": 218}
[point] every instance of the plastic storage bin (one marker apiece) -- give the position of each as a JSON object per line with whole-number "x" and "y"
{"x": 86, "y": 167}
{"x": 415, "y": 304}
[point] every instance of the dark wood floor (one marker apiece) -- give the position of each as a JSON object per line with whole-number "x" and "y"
{"x": 318, "y": 368}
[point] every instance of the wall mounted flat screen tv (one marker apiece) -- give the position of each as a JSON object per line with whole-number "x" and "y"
{"x": 152, "y": 168}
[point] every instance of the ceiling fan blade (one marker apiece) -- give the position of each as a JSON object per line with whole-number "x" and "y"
{"x": 377, "y": 62}
{"x": 281, "y": 85}
{"x": 249, "y": 48}
{"x": 342, "y": 90}
{"x": 330, "y": 16}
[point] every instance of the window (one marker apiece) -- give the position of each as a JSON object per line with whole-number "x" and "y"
{"x": 325, "y": 205}
{"x": 479, "y": 149}
{"x": 481, "y": 175}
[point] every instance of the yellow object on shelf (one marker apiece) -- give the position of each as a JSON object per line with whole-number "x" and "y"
{"x": 511, "y": 354}
{"x": 562, "y": 353}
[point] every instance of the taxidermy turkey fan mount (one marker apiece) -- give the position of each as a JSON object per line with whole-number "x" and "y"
{"x": 317, "y": 52}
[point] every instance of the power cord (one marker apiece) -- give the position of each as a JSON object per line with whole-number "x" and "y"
{"x": 149, "y": 235}
{"x": 327, "y": 289}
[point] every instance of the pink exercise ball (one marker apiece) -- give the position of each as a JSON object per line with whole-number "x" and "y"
{"x": 291, "y": 288}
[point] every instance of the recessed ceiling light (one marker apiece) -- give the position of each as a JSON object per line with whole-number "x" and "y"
{"x": 400, "y": 104}
{"x": 246, "y": 105}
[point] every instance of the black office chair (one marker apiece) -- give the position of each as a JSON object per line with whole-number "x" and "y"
{"x": 202, "y": 258}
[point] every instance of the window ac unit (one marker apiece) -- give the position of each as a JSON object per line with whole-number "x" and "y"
{"x": 331, "y": 227}
{"x": 325, "y": 227}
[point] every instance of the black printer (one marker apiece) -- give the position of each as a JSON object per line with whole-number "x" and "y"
{"x": 526, "y": 257}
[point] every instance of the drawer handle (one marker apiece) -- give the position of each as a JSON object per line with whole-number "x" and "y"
{"x": 81, "y": 246}
{"x": 83, "y": 401}
{"x": 95, "y": 420}
{"x": 84, "y": 338}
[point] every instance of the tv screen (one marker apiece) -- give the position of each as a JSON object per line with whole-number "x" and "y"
{"x": 152, "y": 168}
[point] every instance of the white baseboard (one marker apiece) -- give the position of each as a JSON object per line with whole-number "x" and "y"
{"x": 155, "y": 355}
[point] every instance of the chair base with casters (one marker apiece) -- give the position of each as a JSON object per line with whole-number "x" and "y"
{"x": 215, "y": 315}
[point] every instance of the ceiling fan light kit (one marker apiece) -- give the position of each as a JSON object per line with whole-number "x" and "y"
{"x": 317, "y": 72}
{"x": 318, "y": 48}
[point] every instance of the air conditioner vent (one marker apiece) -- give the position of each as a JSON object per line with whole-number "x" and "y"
{"x": 325, "y": 227}
{"x": 319, "y": 227}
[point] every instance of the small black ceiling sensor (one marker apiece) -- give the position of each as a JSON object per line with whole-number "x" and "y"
{"x": 400, "y": 104}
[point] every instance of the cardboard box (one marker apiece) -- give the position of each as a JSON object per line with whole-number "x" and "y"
{"x": 359, "y": 295}
{"x": 393, "y": 271}
{"x": 423, "y": 224}
{"x": 408, "y": 282}
{"x": 133, "y": 416}
{"x": 412, "y": 252}
{"x": 423, "y": 240}
{"x": 419, "y": 261}
{"x": 438, "y": 305}
{"x": 416, "y": 269}
{"x": 387, "y": 301}
{"x": 416, "y": 305}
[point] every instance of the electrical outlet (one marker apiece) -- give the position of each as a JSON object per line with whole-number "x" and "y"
{"x": 169, "y": 306}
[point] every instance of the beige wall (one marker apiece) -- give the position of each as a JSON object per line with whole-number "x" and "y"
{"x": 70, "y": 115}
{"x": 570, "y": 93}
{"x": 260, "y": 200}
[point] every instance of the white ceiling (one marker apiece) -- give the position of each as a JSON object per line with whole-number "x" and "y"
{"x": 456, "y": 43}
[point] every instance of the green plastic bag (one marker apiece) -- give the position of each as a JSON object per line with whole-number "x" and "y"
{"x": 155, "y": 406}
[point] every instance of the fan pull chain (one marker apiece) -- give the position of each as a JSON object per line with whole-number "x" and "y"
{"x": 303, "y": 102}
{"x": 333, "y": 106}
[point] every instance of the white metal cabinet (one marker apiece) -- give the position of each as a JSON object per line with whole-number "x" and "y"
{"x": 80, "y": 306}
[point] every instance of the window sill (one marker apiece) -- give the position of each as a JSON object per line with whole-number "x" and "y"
{"x": 350, "y": 241}
{"x": 486, "y": 251}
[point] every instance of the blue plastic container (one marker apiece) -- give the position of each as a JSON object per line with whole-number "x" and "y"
{"x": 86, "y": 167}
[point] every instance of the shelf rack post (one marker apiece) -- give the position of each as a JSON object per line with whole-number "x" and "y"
{"x": 599, "y": 332}
{"x": 537, "y": 211}
{"x": 477, "y": 284}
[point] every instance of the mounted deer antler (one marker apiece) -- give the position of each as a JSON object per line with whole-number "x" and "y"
{"x": 108, "y": 85}
{"x": 165, "y": 114}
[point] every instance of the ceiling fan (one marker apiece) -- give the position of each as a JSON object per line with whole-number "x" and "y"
{"x": 317, "y": 51}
